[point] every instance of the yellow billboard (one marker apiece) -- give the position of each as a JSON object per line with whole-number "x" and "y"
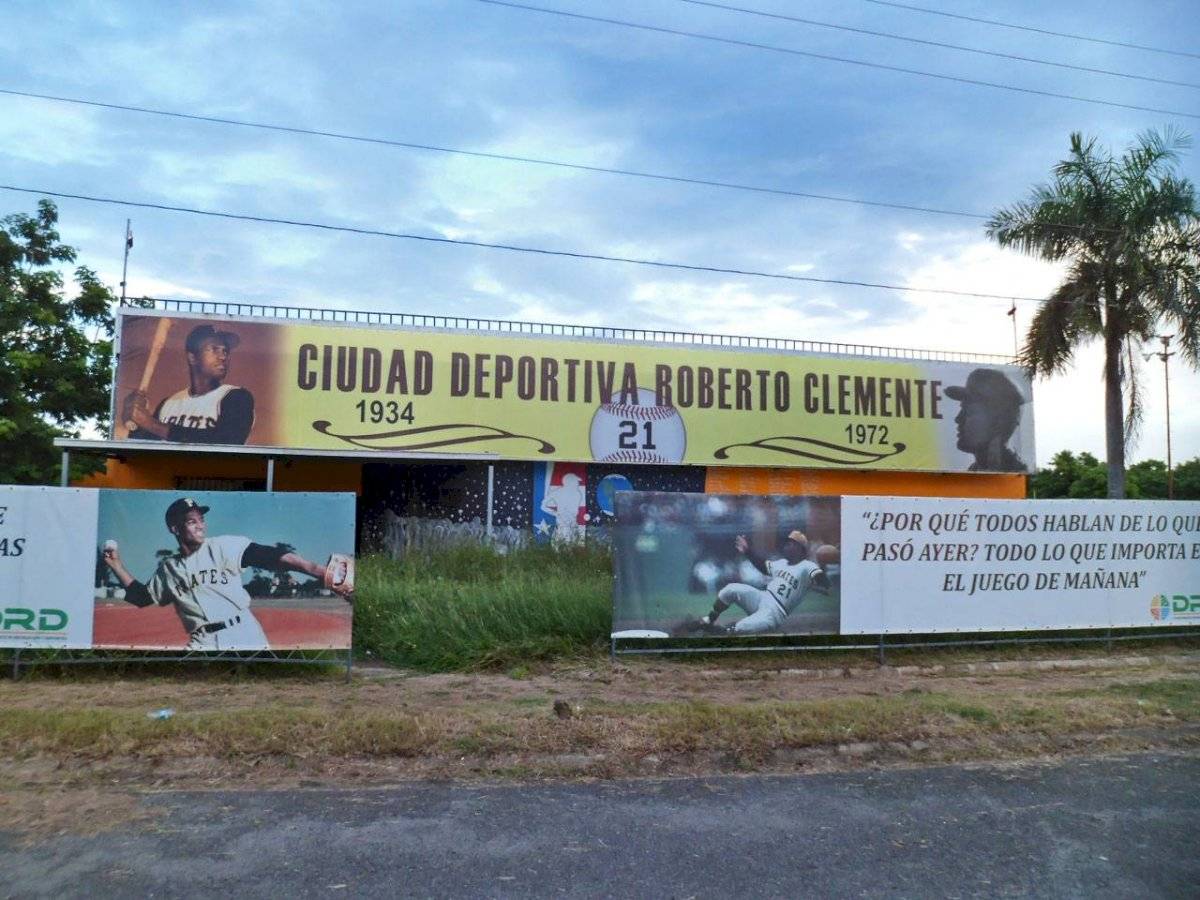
{"x": 316, "y": 385}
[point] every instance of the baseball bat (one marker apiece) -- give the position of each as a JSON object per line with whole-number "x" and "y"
{"x": 156, "y": 345}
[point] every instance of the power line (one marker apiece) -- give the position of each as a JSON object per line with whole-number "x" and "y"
{"x": 505, "y": 157}
{"x": 502, "y": 157}
{"x": 570, "y": 254}
{"x": 1062, "y": 34}
{"x": 840, "y": 59}
{"x": 929, "y": 43}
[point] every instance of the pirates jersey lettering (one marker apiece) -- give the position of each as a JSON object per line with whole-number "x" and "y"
{"x": 206, "y": 586}
{"x": 201, "y": 411}
{"x": 789, "y": 583}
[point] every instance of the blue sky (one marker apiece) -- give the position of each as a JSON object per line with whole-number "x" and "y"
{"x": 463, "y": 74}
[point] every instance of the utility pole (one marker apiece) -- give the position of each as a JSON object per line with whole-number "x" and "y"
{"x": 125, "y": 267}
{"x": 1165, "y": 355}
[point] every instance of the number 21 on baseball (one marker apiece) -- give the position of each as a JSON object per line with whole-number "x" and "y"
{"x": 627, "y": 436}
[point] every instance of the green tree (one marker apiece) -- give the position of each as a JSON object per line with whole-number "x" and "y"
{"x": 54, "y": 377}
{"x": 1187, "y": 480}
{"x": 1129, "y": 228}
{"x": 1149, "y": 478}
{"x": 1084, "y": 476}
{"x": 1078, "y": 477}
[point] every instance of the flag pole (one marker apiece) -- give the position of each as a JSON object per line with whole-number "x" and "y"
{"x": 125, "y": 267}
{"x": 1016, "y": 343}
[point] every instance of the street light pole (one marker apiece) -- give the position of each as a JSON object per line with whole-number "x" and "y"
{"x": 1164, "y": 356}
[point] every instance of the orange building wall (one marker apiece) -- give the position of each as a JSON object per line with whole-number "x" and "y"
{"x": 158, "y": 471}
{"x": 734, "y": 480}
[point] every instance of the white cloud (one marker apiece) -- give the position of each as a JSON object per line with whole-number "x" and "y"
{"x": 151, "y": 286}
{"x": 728, "y": 308}
{"x": 1069, "y": 408}
{"x": 45, "y": 134}
{"x": 209, "y": 178}
{"x": 484, "y": 284}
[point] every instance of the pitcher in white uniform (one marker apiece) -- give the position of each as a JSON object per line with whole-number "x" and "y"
{"x": 203, "y": 580}
{"x": 207, "y": 411}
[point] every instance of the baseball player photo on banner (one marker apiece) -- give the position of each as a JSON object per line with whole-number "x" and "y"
{"x": 46, "y": 566}
{"x": 224, "y": 570}
{"x": 555, "y": 398}
{"x": 710, "y": 565}
{"x": 196, "y": 381}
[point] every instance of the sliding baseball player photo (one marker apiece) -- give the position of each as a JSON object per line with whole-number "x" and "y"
{"x": 765, "y": 609}
{"x": 711, "y": 565}
{"x": 204, "y": 584}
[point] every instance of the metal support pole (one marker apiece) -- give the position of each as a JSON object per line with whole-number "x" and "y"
{"x": 65, "y": 477}
{"x": 349, "y": 664}
{"x": 16, "y": 664}
{"x": 1166, "y": 340}
{"x": 882, "y": 655}
{"x": 270, "y": 473}
{"x": 1012, "y": 314}
{"x": 491, "y": 497}
{"x": 125, "y": 265}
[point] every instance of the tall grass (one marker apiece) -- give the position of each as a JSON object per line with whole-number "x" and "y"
{"x": 471, "y": 608}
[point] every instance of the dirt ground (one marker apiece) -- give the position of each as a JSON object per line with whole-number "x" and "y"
{"x": 638, "y": 681}
{"x": 88, "y": 737}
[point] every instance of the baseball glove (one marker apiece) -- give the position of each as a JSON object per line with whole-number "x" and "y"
{"x": 339, "y": 574}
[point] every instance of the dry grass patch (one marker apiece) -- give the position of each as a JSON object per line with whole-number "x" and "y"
{"x": 613, "y": 721}
{"x": 595, "y": 726}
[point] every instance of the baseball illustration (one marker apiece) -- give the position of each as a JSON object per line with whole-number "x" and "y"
{"x": 638, "y": 433}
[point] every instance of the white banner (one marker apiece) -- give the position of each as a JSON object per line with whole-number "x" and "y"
{"x": 47, "y": 566}
{"x": 923, "y": 565}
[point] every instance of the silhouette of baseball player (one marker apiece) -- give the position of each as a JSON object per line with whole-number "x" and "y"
{"x": 564, "y": 502}
{"x": 207, "y": 411}
{"x": 991, "y": 411}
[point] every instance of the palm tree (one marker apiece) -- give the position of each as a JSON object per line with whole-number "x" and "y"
{"x": 1129, "y": 228}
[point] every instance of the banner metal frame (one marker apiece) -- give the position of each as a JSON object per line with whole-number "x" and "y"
{"x": 621, "y": 646}
{"x": 73, "y": 657}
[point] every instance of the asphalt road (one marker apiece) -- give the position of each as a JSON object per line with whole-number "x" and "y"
{"x": 1112, "y": 827}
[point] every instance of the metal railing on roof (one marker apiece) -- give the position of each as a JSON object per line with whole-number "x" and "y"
{"x": 596, "y": 332}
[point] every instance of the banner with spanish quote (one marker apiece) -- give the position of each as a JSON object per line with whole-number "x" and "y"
{"x": 47, "y": 558}
{"x": 327, "y": 386}
{"x": 936, "y": 565}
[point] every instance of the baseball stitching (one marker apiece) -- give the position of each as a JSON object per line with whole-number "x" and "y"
{"x": 634, "y": 456}
{"x": 646, "y": 413}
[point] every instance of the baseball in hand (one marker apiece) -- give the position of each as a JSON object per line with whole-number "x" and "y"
{"x": 638, "y": 433}
{"x": 110, "y": 544}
